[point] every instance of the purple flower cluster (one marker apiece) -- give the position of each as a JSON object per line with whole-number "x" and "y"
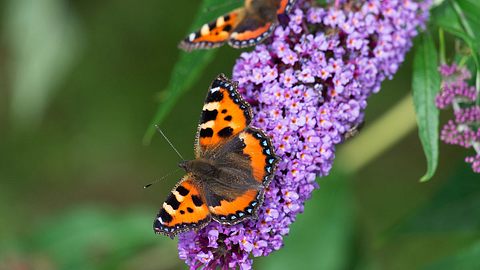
{"x": 464, "y": 130}
{"x": 308, "y": 85}
{"x": 454, "y": 86}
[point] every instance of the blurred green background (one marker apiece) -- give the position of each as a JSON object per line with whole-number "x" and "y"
{"x": 79, "y": 84}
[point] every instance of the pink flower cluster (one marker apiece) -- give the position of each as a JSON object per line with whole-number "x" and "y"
{"x": 464, "y": 130}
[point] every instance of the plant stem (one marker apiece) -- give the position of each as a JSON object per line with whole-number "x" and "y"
{"x": 468, "y": 29}
{"x": 477, "y": 84}
{"x": 441, "y": 39}
{"x": 462, "y": 61}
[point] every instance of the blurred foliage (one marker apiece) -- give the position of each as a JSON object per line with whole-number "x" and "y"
{"x": 44, "y": 39}
{"x": 327, "y": 227}
{"x": 465, "y": 259}
{"x": 454, "y": 208}
{"x": 71, "y": 193}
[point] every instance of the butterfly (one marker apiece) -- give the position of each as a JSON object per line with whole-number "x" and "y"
{"x": 234, "y": 163}
{"x": 242, "y": 27}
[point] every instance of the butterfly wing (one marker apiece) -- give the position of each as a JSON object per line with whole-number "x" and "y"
{"x": 261, "y": 154}
{"x": 213, "y": 34}
{"x": 183, "y": 210}
{"x": 243, "y": 27}
{"x": 285, "y": 6}
{"x": 252, "y": 30}
{"x": 259, "y": 22}
{"x": 225, "y": 114}
{"x": 257, "y": 151}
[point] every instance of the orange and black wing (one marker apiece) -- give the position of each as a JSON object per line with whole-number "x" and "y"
{"x": 251, "y": 31}
{"x": 285, "y": 6}
{"x": 183, "y": 210}
{"x": 260, "y": 153}
{"x": 213, "y": 34}
{"x": 258, "y": 150}
{"x": 259, "y": 22}
{"x": 225, "y": 114}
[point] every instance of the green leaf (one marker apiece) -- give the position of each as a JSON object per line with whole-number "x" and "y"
{"x": 474, "y": 45}
{"x": 445, "y": 15}
{"x": 321, "y": 237}
{"x": 425, "y": 85}
{"x": 468, "y": 12}
{"x": 185, "y": 73}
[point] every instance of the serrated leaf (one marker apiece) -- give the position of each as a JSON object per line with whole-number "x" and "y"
{"x": 185, "y": 73}
{"x": 425, "y": 85}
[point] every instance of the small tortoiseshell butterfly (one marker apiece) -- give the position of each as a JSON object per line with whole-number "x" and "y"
{"x": 233, "y": 165}
{"x": 243, "y": 27}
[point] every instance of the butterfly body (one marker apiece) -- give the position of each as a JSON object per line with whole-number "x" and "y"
{"x": 209, "y": 175}
{"x": 233, "y": 165}
{"x": 242, "y": 27}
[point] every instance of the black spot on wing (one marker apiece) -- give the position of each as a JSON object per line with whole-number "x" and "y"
{"x": 228, "y": 118}
{"x": 173, "y": 202}
{"x": 214, "y": 96}
{"x": 197, "y": 200}
{"x": 182, "y": 212}
{"x": 208, "y": 116}
{"x": 206, "y": 132}
{"x": 225, "y": 132}
{"x": 212, "y": 25}
{"x": 224, "y": 111}
{"x": 227, "y": 28}
{"x": 166, "y": 217}
{"x": 230, "y": 89}
{"x": 182, "y": 191}
{"x": 226, "y": 18}
{"x": 190, "y": 210}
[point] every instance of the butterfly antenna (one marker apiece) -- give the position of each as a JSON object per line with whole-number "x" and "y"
{"x": 219, "y": 6}
{"x": 163, "y": 177}
{"x": 161, "y": 132}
